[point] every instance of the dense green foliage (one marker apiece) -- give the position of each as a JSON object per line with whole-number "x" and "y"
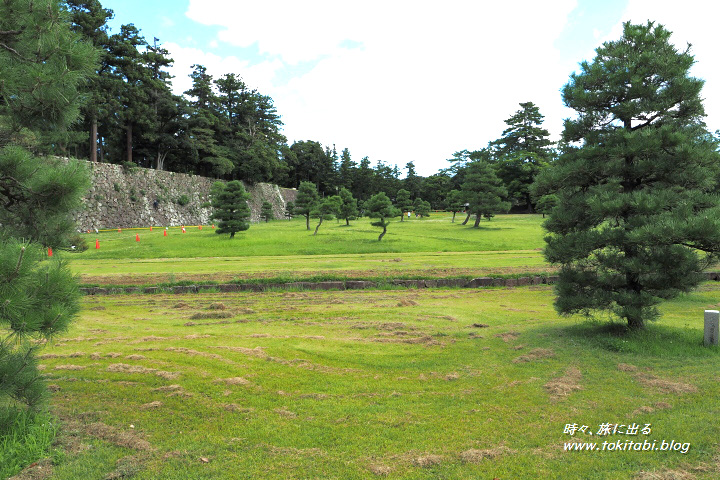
{"x": 521, "y": 153}
{"x": 348, "y": 209}
{"x": 326, "y": 209}
{"x": 41, "y": 65}
{"x": 307, "y": 198}
{"x": 637, "y": 215}
{"x": 379, "y": 206}
{"x": 266, "y": 211}
{"x": 483, "y": 191}
{"x": 230, "y": 207}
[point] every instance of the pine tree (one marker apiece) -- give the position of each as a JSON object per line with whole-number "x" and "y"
{"x": 289, "y": 210}
{"x": 326, "y": 209}
{"x": 379, "y": 206}
{"x": 421, "y": 207}
{"x": 305, "y": 201}
{"x": 637, "y": 215}
{"x": 522, "y": 152}
{"x": 403, "y": 202}
{"x": 348, "y": 208}
{"x": 483, "y": 191}
{"x": 42, "y": 62}
{"x": 230, "y": 207}
{"x": 454, "y": 202}
{"x": 266, "y": 211}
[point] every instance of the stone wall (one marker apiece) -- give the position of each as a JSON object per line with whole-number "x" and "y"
{"x": 141, "y": 197}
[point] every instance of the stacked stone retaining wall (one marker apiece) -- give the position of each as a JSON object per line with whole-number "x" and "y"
{"x": 140, "y": 197}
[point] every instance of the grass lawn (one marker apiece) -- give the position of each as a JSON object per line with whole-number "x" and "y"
{"x": 413, "y": 384}
{"x": 431, "y": 247}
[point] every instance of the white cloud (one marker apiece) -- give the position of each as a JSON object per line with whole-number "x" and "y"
{"x": 427, "y": 80}
{"x": 217, "y": 66}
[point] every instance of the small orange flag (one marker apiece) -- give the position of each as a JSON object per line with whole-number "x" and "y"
{"x": 137, "y": 237}
{"x": 165, "y": 233}
{"x": 97, "y": 244}
{"x": 49, "y": 252}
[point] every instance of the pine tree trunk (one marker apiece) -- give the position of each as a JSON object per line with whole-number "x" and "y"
{"x": 318, "y": 226}
{"x": 307, "y": 221}
{"x": 466, "y": 219}
{"x": 402, "y": 217}
{"x": 347, "y": 222}
{"x": 93, "y": 140}
{"x": 383, "y": 232}
{"x": 128, "y": 143}
{"x": 453, "y": 220}
{"x": 477, "y": 221}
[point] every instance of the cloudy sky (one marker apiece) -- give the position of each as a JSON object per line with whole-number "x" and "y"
{"x": 401, "y": 81}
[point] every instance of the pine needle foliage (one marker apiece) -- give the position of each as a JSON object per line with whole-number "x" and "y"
{"x": 637, "y": 217}
{"x": 230, "y": 207}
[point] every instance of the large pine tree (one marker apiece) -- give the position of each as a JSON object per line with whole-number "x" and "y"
{"x": 42, "y": 62}
{"x": 637, "y": 217}
{"x": 230, "y": 207}
{"x": 522, "y": 152}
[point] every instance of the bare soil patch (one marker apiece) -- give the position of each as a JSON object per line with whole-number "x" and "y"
{"x": 561, "y": 387}
{"x": 665, "y": 386}
{"x": 477, "y": 455}
{"x": 125, "y": 368}
{"x": 427, "y": 460}
{"x": 39, "y": 470}
{"x": 508, "y": 336}
{"x": 534, "y": 355}
{"x": 665, "y": 475}
{"x": 210, "y": 315}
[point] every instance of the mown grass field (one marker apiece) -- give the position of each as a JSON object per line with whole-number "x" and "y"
{"x": 390, "y": 383}
{"x": 431, "y": 247}
{"x": 412, "y": 384}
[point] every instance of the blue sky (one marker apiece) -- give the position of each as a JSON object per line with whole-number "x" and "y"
{"x": 403, "y": 80}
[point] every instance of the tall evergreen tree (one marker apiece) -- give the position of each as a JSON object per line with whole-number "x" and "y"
{"x": 454, "y": 202}
{"x": 307, "y": 198}
{"x": 230, "y": 207}
{"x": 522, "y": 152}
{"x": 483, "y": 191}
{"x": 346, "y": 170}
{"x": 412, "y": 182}
{"x": 348, "y": 207}
{"x": 637, "y": 215}
{"x": 42, "y": 62}
{"x": 403, "y": 202}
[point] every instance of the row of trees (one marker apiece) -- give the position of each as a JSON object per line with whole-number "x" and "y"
{"x": 225, "y": 129}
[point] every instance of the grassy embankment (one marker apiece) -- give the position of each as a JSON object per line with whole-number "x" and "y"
{"x": 286, "y": 251}
{"x": 377, "y": 384}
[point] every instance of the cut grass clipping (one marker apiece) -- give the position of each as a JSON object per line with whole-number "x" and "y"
{"x": 376, "y": 383}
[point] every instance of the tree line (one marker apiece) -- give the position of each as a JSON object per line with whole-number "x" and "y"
{"x": 223, "y": 128}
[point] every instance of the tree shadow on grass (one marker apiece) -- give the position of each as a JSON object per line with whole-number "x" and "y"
{"x": 655, "y": 340}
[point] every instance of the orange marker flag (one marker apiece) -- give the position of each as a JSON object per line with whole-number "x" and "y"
{"x": 151, "y": 228}
{"x": 183, "y": 229}
{"x": 137, "y": 237}
{"x": 213, "y": 226}
{"x": 49, "y": 252}
{"x": 199, "y": 227}
{"x": 97, "y": 244}
{"x": 165, "y": 233}
{"x": 119, "y": 230}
